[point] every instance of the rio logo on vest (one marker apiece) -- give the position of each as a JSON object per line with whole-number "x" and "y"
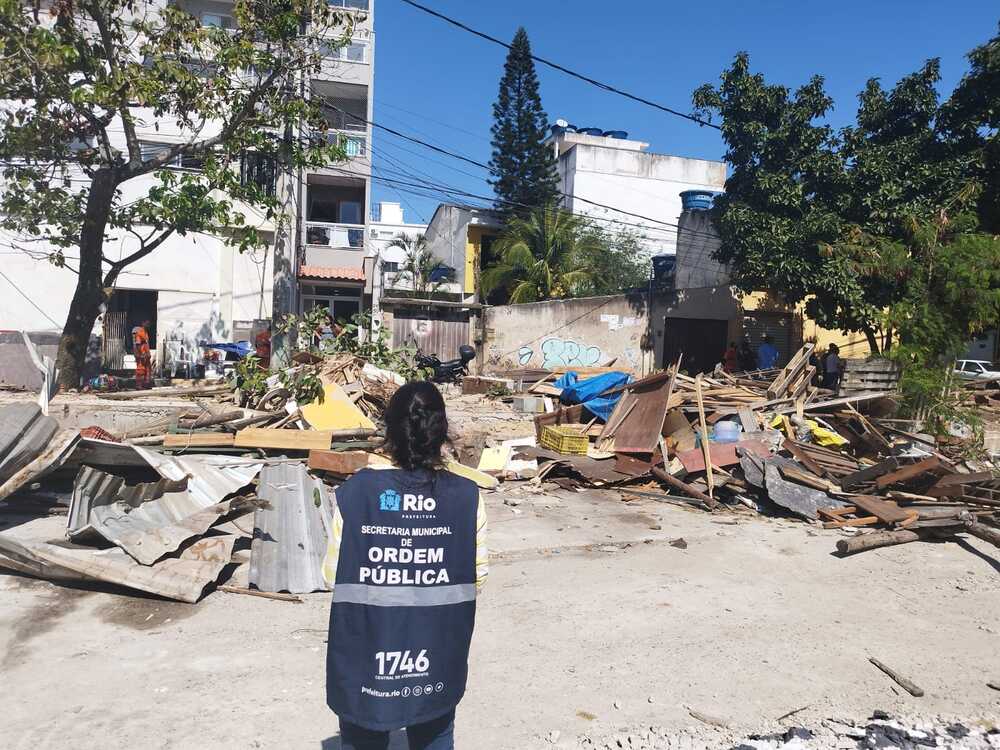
{"x": 390, "y": 500}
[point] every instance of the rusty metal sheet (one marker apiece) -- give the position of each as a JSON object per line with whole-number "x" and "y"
{"x": 723, "y": 454}
{"x": 290, "y": 535}
{"x": 148, "y": 521}
{"x": 182, "y": 576}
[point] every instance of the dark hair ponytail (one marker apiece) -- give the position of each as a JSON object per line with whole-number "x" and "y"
{"x": 416, "y": 426}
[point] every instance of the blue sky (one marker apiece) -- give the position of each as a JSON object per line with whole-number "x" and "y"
{"x": 438, "y": 83}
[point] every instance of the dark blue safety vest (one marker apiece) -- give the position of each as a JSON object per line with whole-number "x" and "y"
{"x": 404, "y": 602}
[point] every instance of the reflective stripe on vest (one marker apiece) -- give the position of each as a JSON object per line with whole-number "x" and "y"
{"x": 403, "y": 596}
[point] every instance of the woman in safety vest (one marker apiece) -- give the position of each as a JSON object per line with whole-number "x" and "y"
{"x": 406, "y": 558}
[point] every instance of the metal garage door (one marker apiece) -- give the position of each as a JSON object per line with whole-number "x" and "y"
{"x": 777, "y": 325}
{"x": 438, "y": 332}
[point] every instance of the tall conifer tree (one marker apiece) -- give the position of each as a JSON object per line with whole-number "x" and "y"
{"x": 523, "y": 167}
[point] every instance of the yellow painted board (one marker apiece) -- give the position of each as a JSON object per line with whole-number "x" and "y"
{"x": 285, "y": 440}
{"x": 483, "y": 480}
{"x": 337, "y": 412}
{"x": 495, "y": 459}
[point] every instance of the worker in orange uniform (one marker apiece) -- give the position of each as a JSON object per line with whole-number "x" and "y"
{"x": 143, "y": 358}
{"x": 262, "y": 343}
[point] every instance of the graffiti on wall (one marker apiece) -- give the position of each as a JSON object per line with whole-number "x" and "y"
{"x": 556, "y": 352}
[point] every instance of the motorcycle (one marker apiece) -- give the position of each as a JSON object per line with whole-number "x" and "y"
{"x": 451, "y": 371}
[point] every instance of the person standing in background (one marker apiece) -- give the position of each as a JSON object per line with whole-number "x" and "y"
{"x": 833, "y": 367}
{"x": 731, "y": 359}
{"x": 262, "y": 347}
{"x": 143, "y": 356}
{"x": 748, "y": 361}
{"x": 767, "y": 355}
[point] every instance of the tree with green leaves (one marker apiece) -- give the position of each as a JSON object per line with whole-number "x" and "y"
{"x": 800, "y": 195}
{"x": 418, "y": 269}
{"x": 539, "y": 258}
{"x": 86, "y": 81}
{"x": 971, "y": 118}
{"x": 615, "y": 261}
{"x": 523, "y": 167}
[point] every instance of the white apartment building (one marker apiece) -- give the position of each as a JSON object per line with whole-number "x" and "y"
{"x": 193, "y": 288}
{"x": 383, "y": 262}
{"x": 606, "y": 168}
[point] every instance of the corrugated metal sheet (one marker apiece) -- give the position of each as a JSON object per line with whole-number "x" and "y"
{"x": 59, "y": 449}
{"x": 148, "y": 521}
{"x": 181, "y": 576}
{"x": 290, "y": 536}
{"x": 24, "y": 433}
{"x": 210, "y": 478}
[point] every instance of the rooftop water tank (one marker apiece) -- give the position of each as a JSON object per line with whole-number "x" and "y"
{"x": 591, "y": 131}
{"x": 697, "y": 200}
{"x": 621, "y": 135}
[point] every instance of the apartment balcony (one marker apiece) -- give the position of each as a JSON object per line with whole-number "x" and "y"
{"x": 349, "y": 4}
{"x": 335, "y": 245}
{"x": 337, "y": 236}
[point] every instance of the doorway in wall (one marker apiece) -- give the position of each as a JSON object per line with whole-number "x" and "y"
{"x": 126, "y": 309}
{"x": 701, "y": 341}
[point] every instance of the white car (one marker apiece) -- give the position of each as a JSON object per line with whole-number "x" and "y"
{"x": 976, "y": 369}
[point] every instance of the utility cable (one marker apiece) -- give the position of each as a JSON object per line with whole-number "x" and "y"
{"x": 327, "y": 104}
{"x": 563, "y": 69}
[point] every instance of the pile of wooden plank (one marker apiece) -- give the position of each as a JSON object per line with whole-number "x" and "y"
{"x": 777, "y": 445}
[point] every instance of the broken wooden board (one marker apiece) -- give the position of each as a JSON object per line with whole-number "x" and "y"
{"x": 868, "y": 474}
{"x": 953, "y": 485}
{"x": 684, "y": 487}
{"x": 906, "y": 473}
{"x": 199, "y": 440}
{"x": 640, "y": 430}
{"x": 884, "y": 511}
{"x": 788, "y": 375}
{"x": 283, "y": 440}
{"x": 678, "y": 429}
{"x": 344, "y": 463}
{"x": 799, "y": 500}
{"x": 723, "y": 454}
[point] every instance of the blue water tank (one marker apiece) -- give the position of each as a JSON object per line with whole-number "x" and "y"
{"x": 621, "y": 135}
{"x": 590, "y": 131}
{"x": 697, "y": 200}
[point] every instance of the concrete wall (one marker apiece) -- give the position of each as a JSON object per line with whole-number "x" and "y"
{"x": 561, "y": 333}
{"x": 203, "y": 287}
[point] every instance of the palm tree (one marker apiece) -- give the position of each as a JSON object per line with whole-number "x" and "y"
{"x": 419, "y": 266}
{"x": 539, "y": 257}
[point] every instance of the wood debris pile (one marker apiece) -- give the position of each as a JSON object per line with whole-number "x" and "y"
{"x": 777, "y": 443}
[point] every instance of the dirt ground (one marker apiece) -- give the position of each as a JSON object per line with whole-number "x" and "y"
{"x": 595, "y": 618}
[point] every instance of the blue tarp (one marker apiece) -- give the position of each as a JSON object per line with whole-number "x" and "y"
{"x": 587, "y": 392}
{"x": 240, "y": 348}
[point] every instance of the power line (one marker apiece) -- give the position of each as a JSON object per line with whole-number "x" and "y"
{"x": 326, "y": 103}
{"x": 30, "y": 301}
{"x": 563, "y": 69}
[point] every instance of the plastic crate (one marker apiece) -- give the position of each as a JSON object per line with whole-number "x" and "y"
{"x": 564, "y": 439}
